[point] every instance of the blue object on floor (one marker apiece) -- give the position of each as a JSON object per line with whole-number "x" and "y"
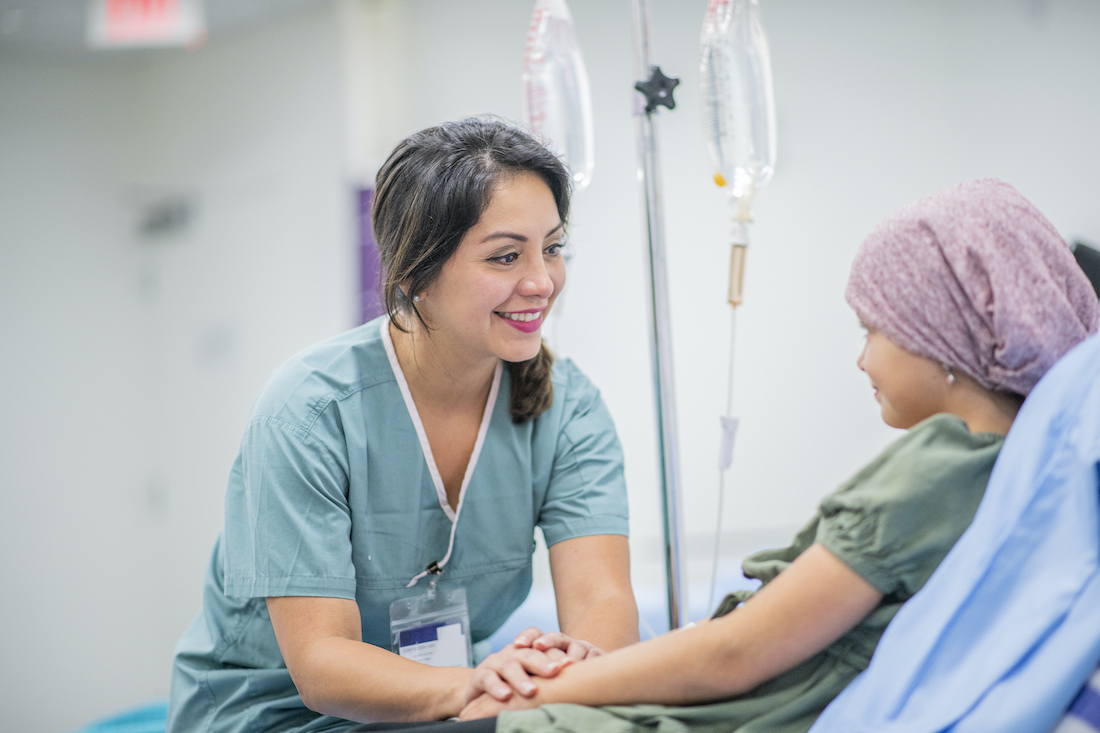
{"x": 151, "y": 718}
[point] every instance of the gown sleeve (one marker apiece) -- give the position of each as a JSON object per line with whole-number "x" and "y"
{"x": 895, "y": 520}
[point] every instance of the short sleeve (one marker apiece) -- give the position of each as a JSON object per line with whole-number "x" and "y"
{"x": 287, "y": 519}
{"x": 587, "y": 489}
{"x": 894, "y": 522}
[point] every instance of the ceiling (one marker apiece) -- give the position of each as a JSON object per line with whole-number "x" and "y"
{"x": 54, "y": 29}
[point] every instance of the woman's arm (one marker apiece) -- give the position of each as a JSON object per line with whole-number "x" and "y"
{"x": 596, "y": 610}
{"x": 808, "y": 606}
{"x": 337, "y": 674}
{"x": 592, "y": 585}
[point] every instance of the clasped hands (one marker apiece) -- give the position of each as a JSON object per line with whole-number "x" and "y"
{"x": 507, "y": 679}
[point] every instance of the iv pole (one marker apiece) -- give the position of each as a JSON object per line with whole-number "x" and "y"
{"x": 658, "y": 91}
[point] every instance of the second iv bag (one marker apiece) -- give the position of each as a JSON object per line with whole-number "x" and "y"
{"x": 557, "y": 103}
{"x": 738, "y": 104}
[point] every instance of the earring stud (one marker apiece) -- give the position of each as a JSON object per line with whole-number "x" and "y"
{"x": 416, "y": 298}
{"x": 950, "y": 373}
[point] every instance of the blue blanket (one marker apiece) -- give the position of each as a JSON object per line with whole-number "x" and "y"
{"x": 1007, "y": 630}
{"x": 1083, "y": 715}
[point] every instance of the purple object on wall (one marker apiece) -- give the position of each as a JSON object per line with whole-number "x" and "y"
{"x": 370, "y": 264}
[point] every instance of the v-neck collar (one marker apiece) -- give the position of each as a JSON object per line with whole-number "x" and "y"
{"x": 486, "y": 416}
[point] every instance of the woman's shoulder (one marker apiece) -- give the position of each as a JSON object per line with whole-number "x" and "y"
{"x": 327, "y": 371}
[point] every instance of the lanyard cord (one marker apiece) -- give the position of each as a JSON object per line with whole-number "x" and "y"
{"x": 436, "y": 566}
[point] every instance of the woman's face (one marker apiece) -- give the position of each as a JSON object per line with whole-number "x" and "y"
{"x": 493, "y": 294}
{"x": 909, "y": 388}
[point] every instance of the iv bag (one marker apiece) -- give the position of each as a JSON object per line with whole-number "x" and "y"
{"x": 557, "y": 103}
{"x": 738, "y": 104}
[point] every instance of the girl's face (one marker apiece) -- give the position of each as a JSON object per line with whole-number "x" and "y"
{"x": 909, "y": 388}
{"x": 493, "y": 294}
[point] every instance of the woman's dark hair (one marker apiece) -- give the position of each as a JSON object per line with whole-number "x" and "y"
{"x": 430, "y": 191}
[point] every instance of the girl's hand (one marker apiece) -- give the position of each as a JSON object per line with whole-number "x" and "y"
{"x": 486, "y": 706}
{"x": 511, "y": 669}
{"x": 574, "y": 649}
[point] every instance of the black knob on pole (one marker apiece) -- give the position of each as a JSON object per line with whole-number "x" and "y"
{"x": 657, "y": 89}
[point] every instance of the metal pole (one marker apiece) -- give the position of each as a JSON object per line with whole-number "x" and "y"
{"x": 660, "y": 333}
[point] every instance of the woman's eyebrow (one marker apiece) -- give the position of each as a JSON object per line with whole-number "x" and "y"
{"x": 505, "y": 235}
{"x": 519, "y": 237}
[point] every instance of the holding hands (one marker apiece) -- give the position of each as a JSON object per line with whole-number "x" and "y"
{"x": 532, "y": 654}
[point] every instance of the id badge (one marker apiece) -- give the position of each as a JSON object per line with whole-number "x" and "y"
{"x": 433, "y": 628}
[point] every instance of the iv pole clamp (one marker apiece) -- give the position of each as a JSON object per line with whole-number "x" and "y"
{"x": 658, "y": 90}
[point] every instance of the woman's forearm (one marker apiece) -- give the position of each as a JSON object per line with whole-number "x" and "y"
{"x": 610, "y": 621}
{"x": 357, "y": 681}
{"x": 337, "y": 674}
{"x": 592, "y": 585}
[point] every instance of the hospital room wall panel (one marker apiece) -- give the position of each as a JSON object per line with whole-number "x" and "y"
{"x": 131, "y": 361}
{"x": 70, "y": 389}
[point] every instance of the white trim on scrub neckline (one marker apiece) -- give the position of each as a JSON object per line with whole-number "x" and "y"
{"x": 437, "y": 480}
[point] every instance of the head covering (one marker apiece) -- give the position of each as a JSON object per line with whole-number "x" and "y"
{"x": 976, "y": 278}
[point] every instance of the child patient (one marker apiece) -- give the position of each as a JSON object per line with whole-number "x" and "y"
{"x": 967, "y": 296}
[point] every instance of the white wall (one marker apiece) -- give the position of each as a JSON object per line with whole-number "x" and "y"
{"x": 128, "y": 367}
{"x": 128, "y": 364}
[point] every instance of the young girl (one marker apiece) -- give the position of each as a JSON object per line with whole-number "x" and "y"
{"x": 419, "y": 449}
{"x": 968, "y": 297}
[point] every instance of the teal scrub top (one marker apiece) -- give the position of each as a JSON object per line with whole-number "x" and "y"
{"x": 332, "y": 495}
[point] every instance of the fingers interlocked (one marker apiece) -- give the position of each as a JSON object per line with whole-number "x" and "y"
{"x": 512, "y": 669}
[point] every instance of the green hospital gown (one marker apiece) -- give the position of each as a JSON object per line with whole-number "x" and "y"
{"x": 892, "y": 523}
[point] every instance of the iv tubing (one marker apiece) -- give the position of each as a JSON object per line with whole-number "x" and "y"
{"x": 722, "y": 470}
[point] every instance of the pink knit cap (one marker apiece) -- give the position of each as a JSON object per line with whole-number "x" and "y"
{"x": 976, "y": 278}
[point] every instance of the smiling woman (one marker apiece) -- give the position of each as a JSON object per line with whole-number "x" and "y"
{"x": 390, "y": 479}
{"x": 492, "y": 295}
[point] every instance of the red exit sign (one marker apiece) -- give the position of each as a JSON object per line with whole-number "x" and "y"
{"x": 129, "y": 23}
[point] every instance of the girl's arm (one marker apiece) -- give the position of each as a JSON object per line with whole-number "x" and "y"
{"x": 337, "y": 674}
{"x": 808, "y": 606}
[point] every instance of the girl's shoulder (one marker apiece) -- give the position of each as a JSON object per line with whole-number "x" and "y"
{"x": 942, "y": 440}
{"x": 895, "y": 520}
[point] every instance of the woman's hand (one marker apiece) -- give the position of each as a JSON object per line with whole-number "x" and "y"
{"x": 574, "y": 649}
{"x": 512, "y": 667}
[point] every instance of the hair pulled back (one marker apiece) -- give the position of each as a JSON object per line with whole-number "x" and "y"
{"x": 430, "y": 191}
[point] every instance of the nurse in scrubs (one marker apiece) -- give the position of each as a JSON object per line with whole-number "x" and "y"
{"x": 414, "y": 456}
